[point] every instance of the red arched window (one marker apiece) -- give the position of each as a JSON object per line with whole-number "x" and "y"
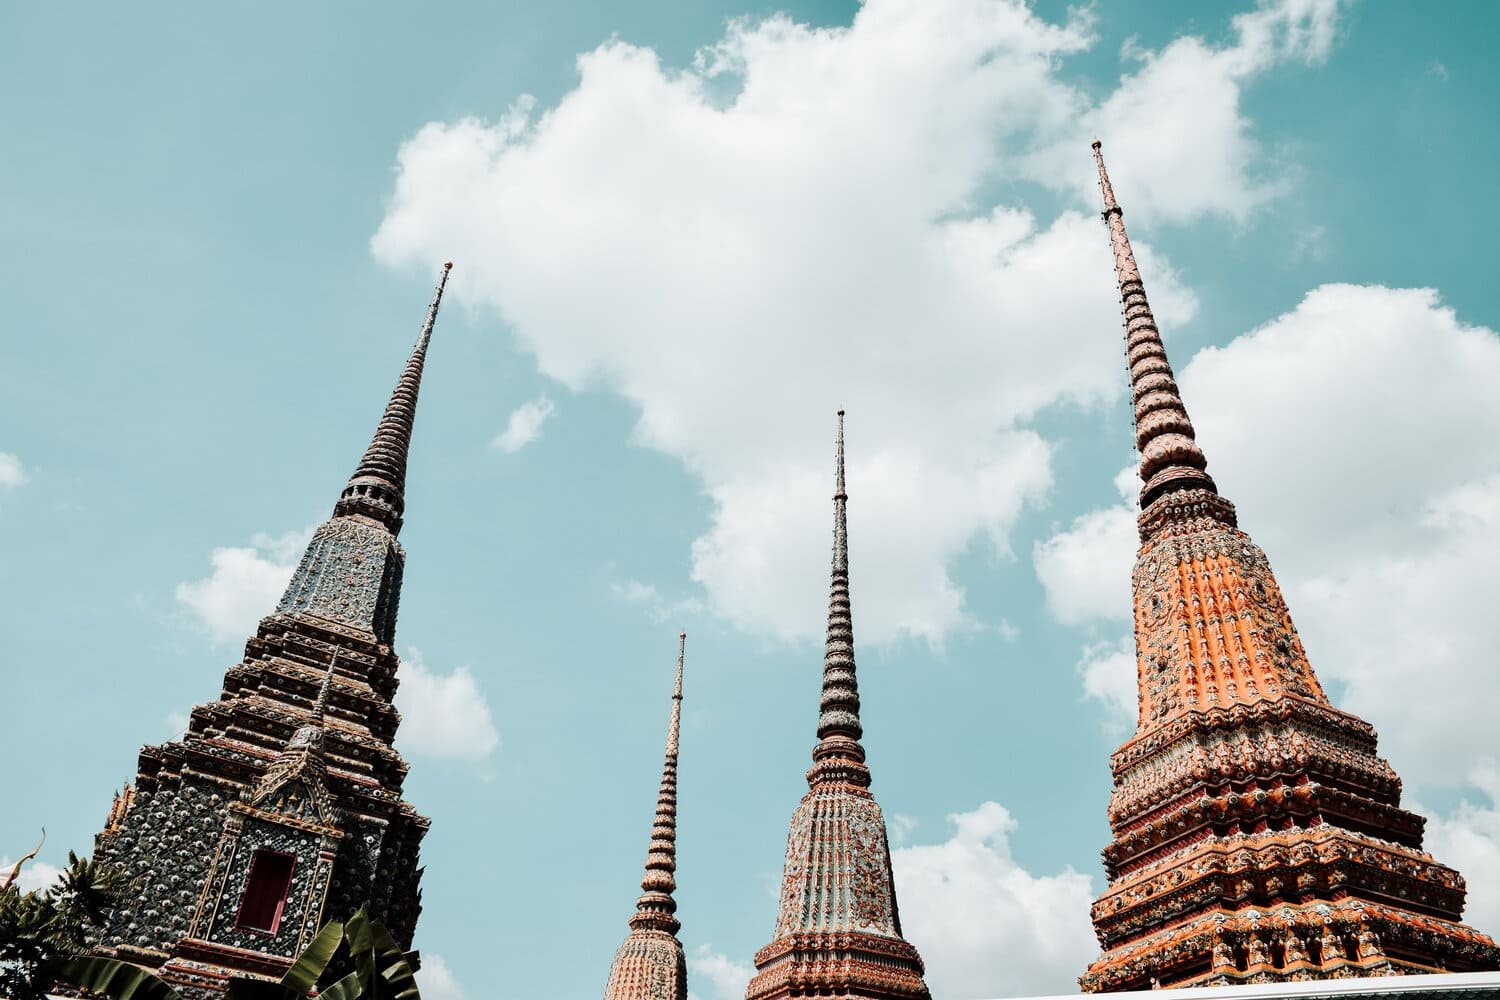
{"x": 265, "y": 893}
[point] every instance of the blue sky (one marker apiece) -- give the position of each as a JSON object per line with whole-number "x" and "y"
{"x": 221, "y": 233}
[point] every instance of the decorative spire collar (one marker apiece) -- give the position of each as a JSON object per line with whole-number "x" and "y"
{"x": 1171, "y": 460}
{"x": 656, "y": 908}
{"x": 839, "y": 756}
{"x": 377, "y": 489}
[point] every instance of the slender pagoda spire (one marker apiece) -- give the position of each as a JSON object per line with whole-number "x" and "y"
{"x": 1170, "y": 456}
{"x": 377, "y": 490}
{"x": 1257, "y": 834}
{"x": 838, "y": 929}
{"x": 350, "y": 572}
{"x": 839, "y": 756}
{"x": 650, "y": 964}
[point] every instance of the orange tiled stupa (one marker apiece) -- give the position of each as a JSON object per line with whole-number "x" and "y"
{"x": 1257, "y": 836}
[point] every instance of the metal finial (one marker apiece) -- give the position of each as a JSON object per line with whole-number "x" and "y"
{"x": 681, "y": 653}
{"x": 1110, "y": 205}
{"x": 838, "y": 480}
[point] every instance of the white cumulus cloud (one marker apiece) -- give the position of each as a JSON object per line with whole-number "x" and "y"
{"x": 1178, "y": 142}
{"x": 35, "y": 875}
{"x": 797, "y": 223}
{"x": 1085, "y": 570}
{"x": 1108, "y": 671}
{"x": 244, "y": 586}
{"x": 12, "y": 472}
{"x": 658, "y": 606}
{"x": 985, "y": 925}
{"x": 525, "y": 425}
{"x": 443, "y": 715}
{"x": 436, "y": 980}
{"x": 1468, "y": 839}
{"x": 715, "y": 976}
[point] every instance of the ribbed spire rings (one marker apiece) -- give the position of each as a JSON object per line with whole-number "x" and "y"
{"x": 655, "y": 908}
{"x": 839, "y": 755}
{"x": 1170, "y": 457}
{"x": 377, "y": 490}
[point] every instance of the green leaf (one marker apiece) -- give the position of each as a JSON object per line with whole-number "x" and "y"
{"x": 111, "y": 978}
{"x": 362, "y": 950}
{"x": 304, "y": 973}
{"x": 347, "y": 988}
{"x": 394, "y": 967}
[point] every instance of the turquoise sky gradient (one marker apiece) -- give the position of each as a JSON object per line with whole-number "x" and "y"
{"x": 197, "y": 341}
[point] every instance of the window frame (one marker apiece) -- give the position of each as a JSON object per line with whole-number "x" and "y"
{"x": 240, "y": 923}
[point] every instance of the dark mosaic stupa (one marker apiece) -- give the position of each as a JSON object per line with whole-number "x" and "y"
{"x": 280, "y": 808}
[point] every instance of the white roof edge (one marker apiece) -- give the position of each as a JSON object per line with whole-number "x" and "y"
{"x": 1373, "y": 986}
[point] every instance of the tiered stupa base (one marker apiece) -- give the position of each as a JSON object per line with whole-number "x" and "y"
{"x": 838, "y": 965}
{"x": 1290, "y": 942}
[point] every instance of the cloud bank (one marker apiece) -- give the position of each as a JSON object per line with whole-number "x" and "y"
{"x": 443, "y": 715}
{"x": 797, "y": 223}
{"x": 985, "y": 925}
{"x": 244, "y": 586}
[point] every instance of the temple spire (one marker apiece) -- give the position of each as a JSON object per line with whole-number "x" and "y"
{"x": 1170, "y": 457}
{"x": 655, "y": 909}
{"x": 838, "y": 928}
{"x": 377, "y": 488}
{"x": 839, "y": 729}
{"x": 650, "y": 963}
